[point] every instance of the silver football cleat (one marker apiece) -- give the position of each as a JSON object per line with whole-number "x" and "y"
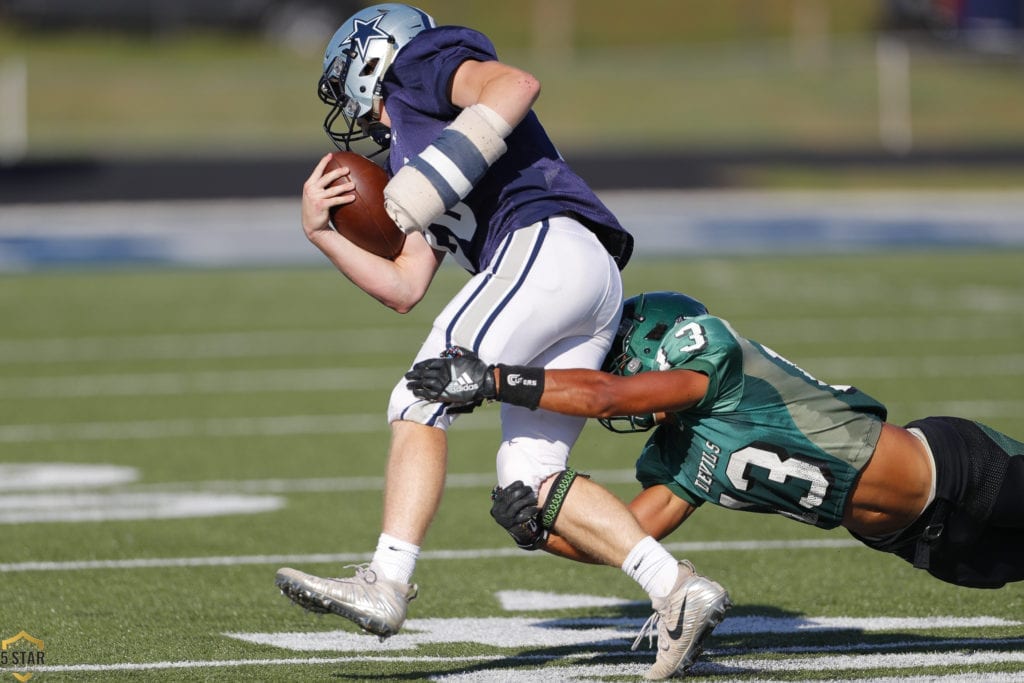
{"x": 684, "y": 619}
{"x": 376, "y": 604}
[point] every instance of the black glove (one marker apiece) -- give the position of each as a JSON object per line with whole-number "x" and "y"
{"x": 515, "y": 509}
{"x": 461, "y": 379}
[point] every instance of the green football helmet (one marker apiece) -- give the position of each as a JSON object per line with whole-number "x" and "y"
{"x": 645, "y": 320}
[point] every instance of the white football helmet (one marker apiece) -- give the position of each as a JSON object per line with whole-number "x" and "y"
{"x": 356, "y": 58}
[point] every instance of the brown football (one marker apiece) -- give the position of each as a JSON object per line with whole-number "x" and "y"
{"x": 364, "y": 221}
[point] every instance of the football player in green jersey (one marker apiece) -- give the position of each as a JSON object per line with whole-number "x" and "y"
{"x": 738, "y": 425}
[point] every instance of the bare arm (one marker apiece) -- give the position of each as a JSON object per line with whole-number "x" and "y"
{"x": 398, "y": 284}
{"x": 658, "y": 511}
{"x": 592, "y": 393}
{"x": 586, "y": 393}
{"x": 509, "y": 91}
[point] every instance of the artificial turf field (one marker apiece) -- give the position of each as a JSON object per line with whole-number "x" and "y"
{"x": 169, "y": 438}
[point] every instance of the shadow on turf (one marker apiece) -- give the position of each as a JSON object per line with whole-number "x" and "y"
{"x": 851, "y": 641}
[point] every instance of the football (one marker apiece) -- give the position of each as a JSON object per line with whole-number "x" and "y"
{"x": 364, "y": 221}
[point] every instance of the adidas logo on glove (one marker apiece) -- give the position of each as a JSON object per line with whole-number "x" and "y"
{"x": 466, "y": 382}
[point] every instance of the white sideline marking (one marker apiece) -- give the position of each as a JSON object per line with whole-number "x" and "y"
{"x": 230, "y": 663}
{"x": 248, "y": 344}
{"x": 177, "y": 383}
{"x": 334, "y": 558}
{"x": 179, "y": 428}
{"x": 40, "y": 493}
{"x": 591, "y": 672}
{"x": 834, "y": 662}
{"x": 101, "y": 507}
{"x": 22, "y": 477}
{"x": 281, "y": 425}
{"x": 583, "y": 670}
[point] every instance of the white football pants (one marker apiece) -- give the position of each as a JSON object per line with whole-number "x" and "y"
{"x": 552, "y": 296}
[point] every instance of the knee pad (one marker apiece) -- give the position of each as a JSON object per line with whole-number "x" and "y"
{"x": 530, "y": 460}
{"x": 535, "y": 444}
{"x": 404, "y": 405}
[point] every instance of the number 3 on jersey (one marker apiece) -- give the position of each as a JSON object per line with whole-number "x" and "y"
{"x": 694, "y": 339}
{"x": 802, "y": 482}
{"x": 694, "y": 335}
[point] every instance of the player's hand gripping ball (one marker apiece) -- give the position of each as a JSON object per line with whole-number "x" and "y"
{"x": 364, "y": 221}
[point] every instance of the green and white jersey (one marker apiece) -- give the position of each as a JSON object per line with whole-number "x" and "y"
{"x": 767, "y": 437}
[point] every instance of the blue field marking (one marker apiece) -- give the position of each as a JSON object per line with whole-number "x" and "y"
{"x": 35, "y": 251}
{"x": 226, "y": 233}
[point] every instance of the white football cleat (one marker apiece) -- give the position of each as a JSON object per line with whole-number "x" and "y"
{"x": 684, "y": 619}
{"x": 375, "y": 604}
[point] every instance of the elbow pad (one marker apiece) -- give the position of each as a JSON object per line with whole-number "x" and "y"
{"x": 445, "y": 172}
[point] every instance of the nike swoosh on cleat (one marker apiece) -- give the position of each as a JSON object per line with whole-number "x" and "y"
{"x": 674, "y": 633}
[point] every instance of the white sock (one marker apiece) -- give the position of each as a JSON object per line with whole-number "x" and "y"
{"x": 650, "y": 565}
{"x": 394, "y": 558}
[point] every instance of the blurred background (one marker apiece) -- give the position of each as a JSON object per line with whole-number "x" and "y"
{"x": 178, "y": 98}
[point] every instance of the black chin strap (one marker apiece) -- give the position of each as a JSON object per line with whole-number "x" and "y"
{"x": 380, "y": 134}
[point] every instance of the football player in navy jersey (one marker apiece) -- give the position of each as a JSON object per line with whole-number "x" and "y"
{"x": 474, "y": 175}
{"x": 742, "y": 427}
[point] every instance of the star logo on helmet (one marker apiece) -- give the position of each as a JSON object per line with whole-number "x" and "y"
{"x": 363, "y": 32}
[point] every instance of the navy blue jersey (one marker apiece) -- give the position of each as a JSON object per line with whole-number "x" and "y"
{"x": 528, "y": 183}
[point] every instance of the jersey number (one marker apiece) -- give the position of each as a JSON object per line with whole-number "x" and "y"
{"x": 779, "y": 471}
{"x": 695, "y": 339}
{"x": 694, "y": 334}
{"x": 452, "y": 232}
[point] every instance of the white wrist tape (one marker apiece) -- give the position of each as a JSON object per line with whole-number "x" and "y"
{"x": 446, "y": 171}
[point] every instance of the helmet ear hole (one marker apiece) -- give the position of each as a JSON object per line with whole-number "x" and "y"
{"x": 656, "y": 333}
{"x": 368, "y": 69}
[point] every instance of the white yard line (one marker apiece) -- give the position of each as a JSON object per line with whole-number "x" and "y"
{"x": 213, "y": 382}
{"x": 190, "y": 346}
{"x": 579, "y": 669}
{"x": 335, "y": 558}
